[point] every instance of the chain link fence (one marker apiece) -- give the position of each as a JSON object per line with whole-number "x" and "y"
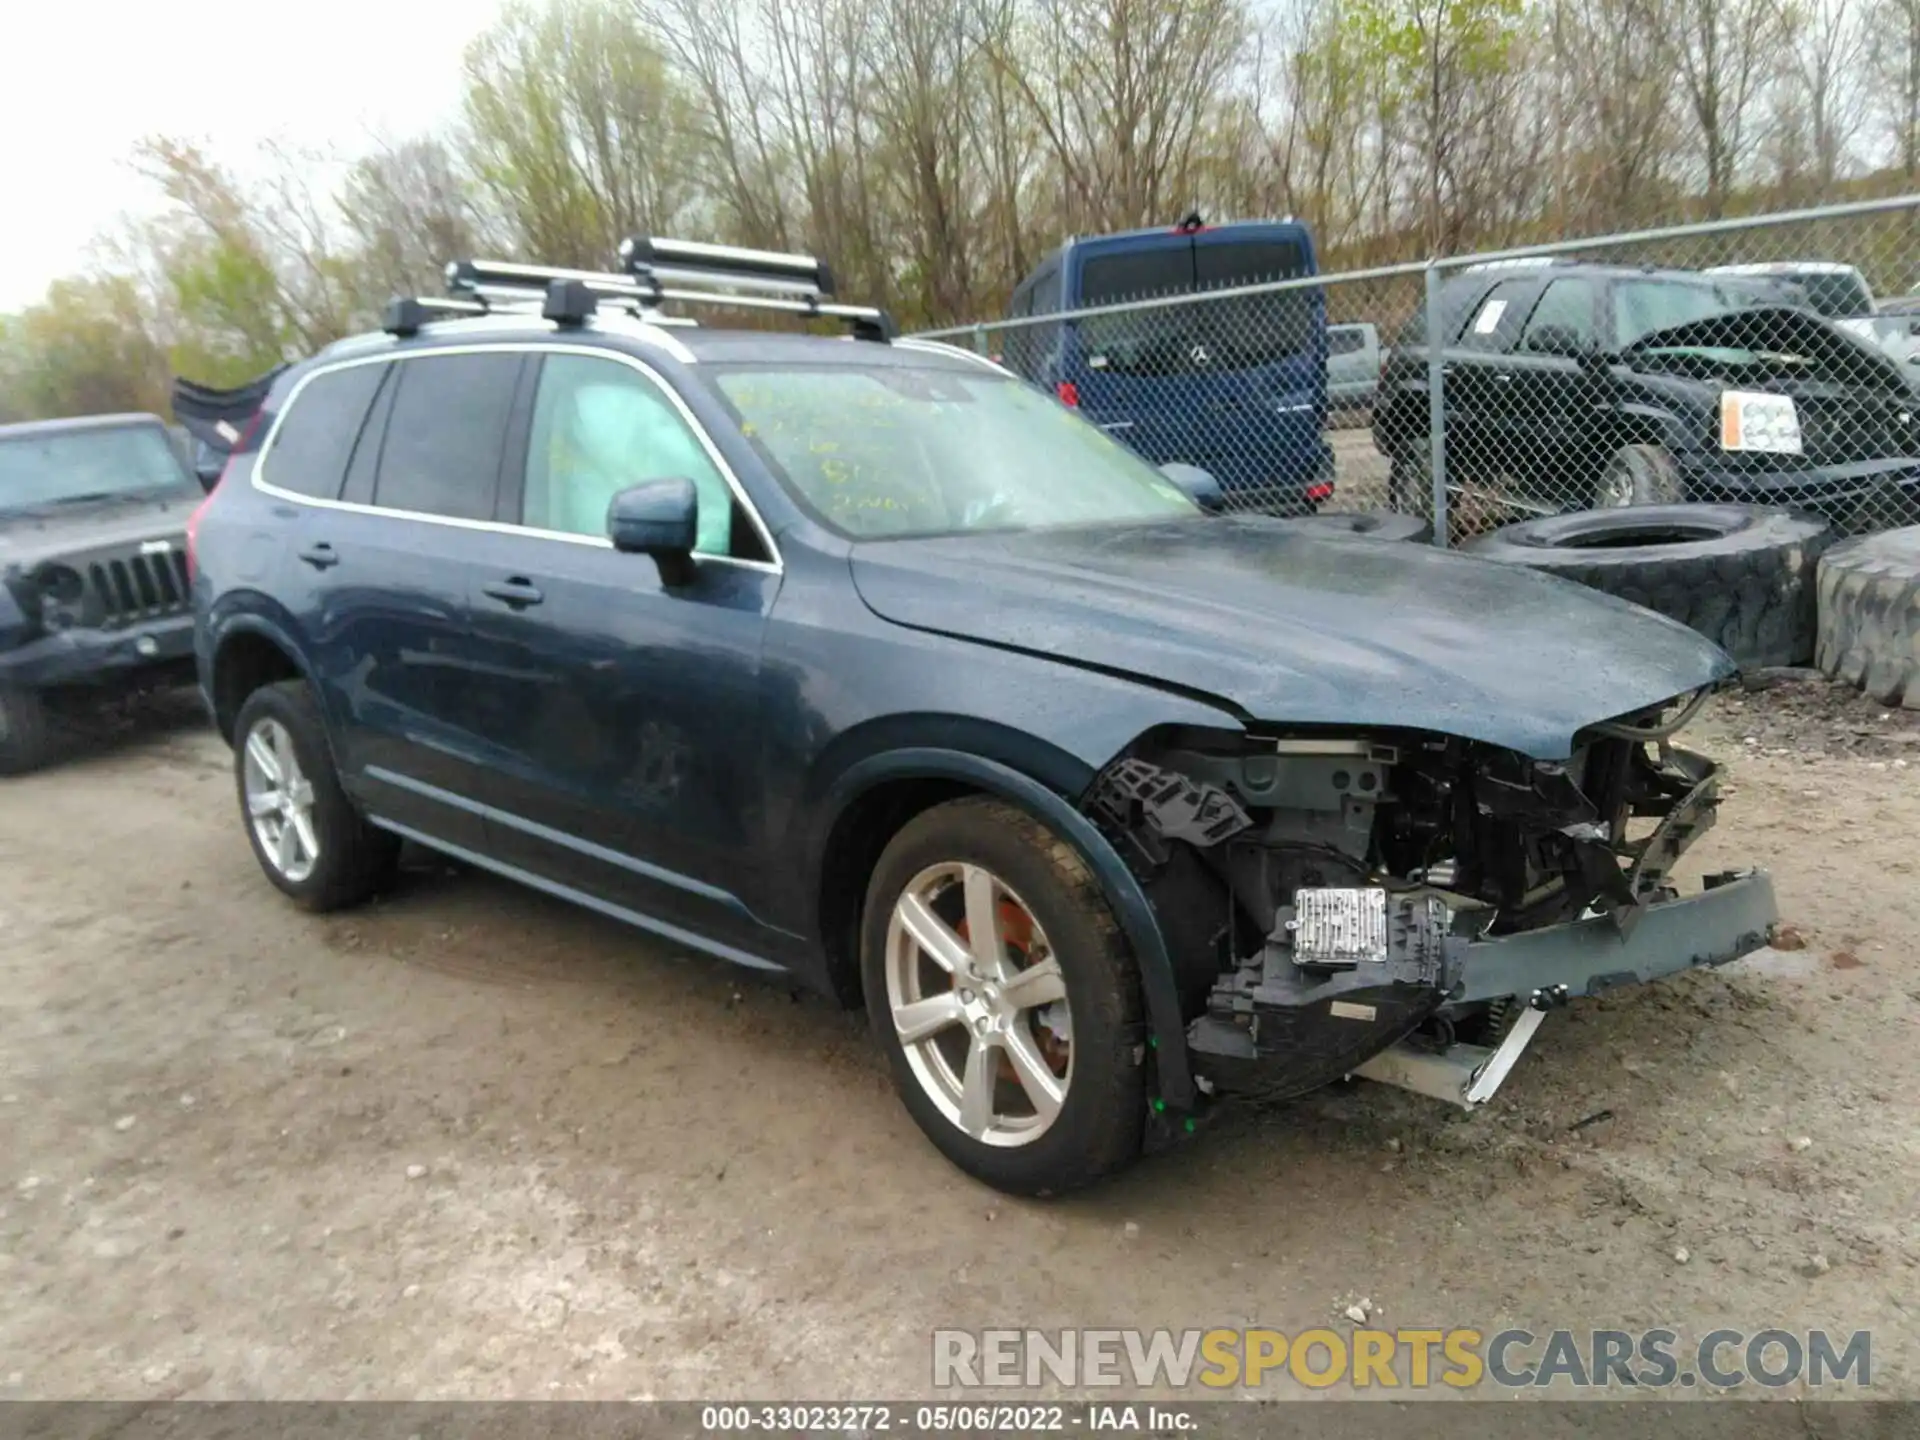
{"x": 1769, "y": 360}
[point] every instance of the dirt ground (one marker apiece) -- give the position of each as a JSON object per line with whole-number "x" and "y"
{"x": 473, "y": 1143}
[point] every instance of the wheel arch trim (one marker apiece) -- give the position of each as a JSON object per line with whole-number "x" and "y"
{"x": 1132, "y": 909}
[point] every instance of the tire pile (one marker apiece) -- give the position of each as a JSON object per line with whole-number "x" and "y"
{"x": 1869, "y": 633}
{"x": 1741, "y": 575}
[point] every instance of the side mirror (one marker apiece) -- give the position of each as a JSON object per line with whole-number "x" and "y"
{"x": 1199, "y": 485}
{"x": 658, "y": 518}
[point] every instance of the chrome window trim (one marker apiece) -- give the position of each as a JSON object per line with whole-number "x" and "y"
{"x": 936, "y": 347}
{"x": 260, "y": 482}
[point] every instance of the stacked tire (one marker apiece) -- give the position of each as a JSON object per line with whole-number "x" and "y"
{"x": 1743, "y": 576}
{"x": 1869, "y": 632}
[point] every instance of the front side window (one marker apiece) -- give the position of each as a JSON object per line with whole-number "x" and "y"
{"x": 599, "y": 427}
{"x": 72, "y": 467}
{"x": 878, "y": 451}
{"x": 445, "y": 434}
{"x": 1563, "y": 317}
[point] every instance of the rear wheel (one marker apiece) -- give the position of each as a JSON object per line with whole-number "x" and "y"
{"x": 305, "y": 832}
{"x": 26, "y": 740}
{"x": 1005, "y": 997}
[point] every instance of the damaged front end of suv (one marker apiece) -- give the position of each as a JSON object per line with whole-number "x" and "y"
{"x": 1407, "y": 906}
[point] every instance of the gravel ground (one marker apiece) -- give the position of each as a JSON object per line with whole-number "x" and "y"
{"x": 470, "y": 1143}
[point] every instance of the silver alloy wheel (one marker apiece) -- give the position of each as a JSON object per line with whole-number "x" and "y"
{"x": 1616, "y": 486}
{"x": 979, "y": 1003}
{"x": 279, "y": 801}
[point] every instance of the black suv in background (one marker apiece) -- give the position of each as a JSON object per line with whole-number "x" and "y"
{"x": 93, "y": 569}
{"x": 1574, "y": 386}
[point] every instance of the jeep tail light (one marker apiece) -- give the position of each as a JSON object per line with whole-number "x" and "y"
{"x": 1322, "y": 491}
{"x": 1069, "y": 394}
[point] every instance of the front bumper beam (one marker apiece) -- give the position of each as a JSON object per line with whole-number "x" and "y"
{"x": 1733, "y": 916}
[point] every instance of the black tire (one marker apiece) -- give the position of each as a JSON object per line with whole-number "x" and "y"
{"x": 1647, "y": 475}
{"x": 26, "y": 738}
{"x": 1100, "y": 1123}
{"x": 1377, "y": 526}
{"x": 1870, "y": 615}
{"x": 356, "y": 860}
{"x": 1740, "y": 575}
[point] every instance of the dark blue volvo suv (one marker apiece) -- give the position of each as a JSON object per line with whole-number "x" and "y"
{"x": 862, "y": 660}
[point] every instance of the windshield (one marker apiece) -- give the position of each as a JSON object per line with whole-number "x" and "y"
{"x": 1642, "y": 307}
{"x": 1236, "y": 332}
{"x": 62, "y": 467}
{"x": 887, "y": 450}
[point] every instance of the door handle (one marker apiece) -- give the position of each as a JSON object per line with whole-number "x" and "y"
{"x": 1502, "y": 378}
{"x": 320, "y": 556}
{"x": 516, "y": 593}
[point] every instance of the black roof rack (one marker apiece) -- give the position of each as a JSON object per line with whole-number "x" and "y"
{"x": 656, "y": 272}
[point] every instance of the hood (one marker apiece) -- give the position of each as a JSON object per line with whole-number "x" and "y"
{"x": 1836, "y": 354}
{"x": 26, "y": 540}
{"x": 1285, "y": 627}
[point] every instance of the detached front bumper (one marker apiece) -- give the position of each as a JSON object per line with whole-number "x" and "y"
{"x": 1543, "y": 969}
{"x": 1294, "y": 1024}
{"x": 81, "y": 657}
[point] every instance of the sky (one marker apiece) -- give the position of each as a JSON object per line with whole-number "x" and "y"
{"x": 82, "y": 81}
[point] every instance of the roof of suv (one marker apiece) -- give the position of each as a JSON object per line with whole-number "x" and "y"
{"x": 686, "y": 343}
{"x": 1556, "y": 269}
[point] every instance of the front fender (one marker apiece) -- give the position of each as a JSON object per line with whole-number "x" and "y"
{"x": 1166, "y": 1027}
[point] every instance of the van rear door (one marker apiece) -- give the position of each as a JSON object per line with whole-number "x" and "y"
{"x": 1235, "y": 386}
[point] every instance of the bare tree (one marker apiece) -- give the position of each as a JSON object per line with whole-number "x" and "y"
{"x": 1725, "y": 49}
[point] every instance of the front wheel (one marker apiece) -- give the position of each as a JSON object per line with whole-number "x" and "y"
{"x": 1640, "y": 475}
{"x": 305, "y": 832}
{"x": 1006, "y": 999}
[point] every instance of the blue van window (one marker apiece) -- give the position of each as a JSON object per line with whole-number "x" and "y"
{"x": 1165, "y": 269}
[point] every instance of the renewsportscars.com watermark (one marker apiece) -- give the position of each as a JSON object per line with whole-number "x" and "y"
{"x": 1401, "y": 1359}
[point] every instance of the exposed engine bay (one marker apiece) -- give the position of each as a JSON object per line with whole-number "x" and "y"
{"x": 1320, "y": 895}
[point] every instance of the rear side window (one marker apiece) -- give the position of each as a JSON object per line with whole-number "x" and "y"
{"x": 315, "y": 441}
{"x": 446, "y": 433}
{"x": 1495, "y": 322}
{"x": 1346, "y": 340}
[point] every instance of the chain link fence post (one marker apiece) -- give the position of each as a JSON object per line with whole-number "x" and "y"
{"x": 1436, "y": 404}
{"x": 980, "y": 339}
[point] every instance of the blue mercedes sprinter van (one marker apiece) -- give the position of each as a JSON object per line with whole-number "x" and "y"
{"x": 1236, "y": 386}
